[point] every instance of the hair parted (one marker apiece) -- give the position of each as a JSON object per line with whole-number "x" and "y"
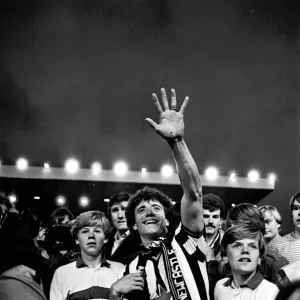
{"x": 239, "y": 232}
{"x": 91, "y": 219}
{"x": 213, "y": 202}
{"x": 245, "y": 213}
{"x": 115, "y": 199}
{"x": 147, "y": 194}
{"x": 273, "y": 212}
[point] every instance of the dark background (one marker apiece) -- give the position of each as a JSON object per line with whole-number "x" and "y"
{"x": 76, "y": 78}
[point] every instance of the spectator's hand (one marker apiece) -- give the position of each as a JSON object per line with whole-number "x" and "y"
{"x": 170, "y": 125}
{"x": 129, "y": 283}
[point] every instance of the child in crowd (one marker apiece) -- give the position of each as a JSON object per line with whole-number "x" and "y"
{"x": 244, "y": 247}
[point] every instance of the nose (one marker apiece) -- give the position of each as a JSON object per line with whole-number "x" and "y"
{"x": 91, "y": 234}
{"x": 121, "y": 214}
{"x": 150, "y": 211}
{"x": 210, "y": 220}
{"x": 245, "y": 249}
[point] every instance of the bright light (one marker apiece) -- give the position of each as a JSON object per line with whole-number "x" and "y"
{"x": 22, "y": 164}
{"x": 143, "y": 170}
{"x": 166, "y": 170}
{"x": 253, "y": 175}
{"x": 232, "y": 175}
{"x": 84, "y": 201}
{"x": 211, "y": 173}
{"x": 46, "y": 165}
{"x": 72, "y": 165}
{"x": 233, "y": 205}
{"x": 37, "y": 197}
{"x": 120, "y": 168}
{"x": 173, "y": 202}
{"x": 272, "y": 177}
{"x": 96, "y": 168}
{"x": 61, "y": 200}
{"x": 12, "y": 198}
{"x": 106, "y": 200}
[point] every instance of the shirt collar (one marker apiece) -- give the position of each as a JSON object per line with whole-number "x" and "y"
{"x": 123, "y": 236}
{"x": 81, "y": 264}
{"x": 253, "y": 283}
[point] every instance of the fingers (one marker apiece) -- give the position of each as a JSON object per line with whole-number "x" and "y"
{"x": 173, "y": 100}
{"x": 164, "y": 98}
{"x": 151, "y": 123}
{"x": 157, "y": 104}
{"x": 184, "y": 104}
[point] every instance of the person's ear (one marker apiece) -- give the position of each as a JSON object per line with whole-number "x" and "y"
{"x": 105, "y": 241}
{"x": 259, "y": 261}
{"x": 76, "y": 241}
{"x": 134, "y": 227}
{"x": 167, "y": 223}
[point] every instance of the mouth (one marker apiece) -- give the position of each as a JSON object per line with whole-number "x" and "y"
{"x": 148, "y": 222}
{"x": 91, "y": 244}
{"x": 245, "y": 260}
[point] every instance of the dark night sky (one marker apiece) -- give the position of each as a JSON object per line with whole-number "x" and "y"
{"x": 76, "y": 78}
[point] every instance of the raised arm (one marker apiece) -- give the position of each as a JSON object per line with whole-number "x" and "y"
{"x": 171, "y": 128}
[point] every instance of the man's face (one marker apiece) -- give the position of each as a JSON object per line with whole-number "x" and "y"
{"x": 212, "y": 220}
{"x": 296, "y": 214}
{"x": 271, "y": 226}
{"x": 150, "y": 220}
{"x": 118, "y": 218}
{"x": 91, "y": 240}
{"x": 243, "y": 256}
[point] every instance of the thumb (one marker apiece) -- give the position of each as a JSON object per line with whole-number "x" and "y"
{"x": 151, "y": 123}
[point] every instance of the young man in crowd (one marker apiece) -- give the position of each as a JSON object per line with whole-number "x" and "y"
{"x": 272, "y": 223}
{"x": 172, "y": 265}
{"x": 246, "y": 213}
{"x": 213, "y": 214}
{"x": 91, "y": 276}
{"x": 289, "y": 245}
{"x": 244, "y": 247}
{"x": 122, "y": 245}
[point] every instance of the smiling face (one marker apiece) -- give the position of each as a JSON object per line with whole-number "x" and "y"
{"x": 91, "y": 240}
{"x": 212, "y": 220}
{"x": 150, "y": 221}
{"x": 296, "y": 214}
{"x": 271, "y": 226}
{"x": 243, "y": 256}
{"x": 118, "y": 218}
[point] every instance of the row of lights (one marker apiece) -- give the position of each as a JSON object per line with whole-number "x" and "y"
{"x": 61, "y": 200}
{"x": 120, "y": 168}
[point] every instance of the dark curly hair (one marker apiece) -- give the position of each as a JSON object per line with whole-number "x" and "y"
{"x": 147, "y": 194}
{"x": 213, "y": 202}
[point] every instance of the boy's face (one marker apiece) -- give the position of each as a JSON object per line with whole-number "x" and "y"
{"x": 296, "y": 214}
{"x": 243, "y": 256}
{"x": 271, "y": 226}
{"x": 91, "y": 240}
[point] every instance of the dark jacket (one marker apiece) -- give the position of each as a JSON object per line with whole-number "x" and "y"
{"x": 128, "y": 249}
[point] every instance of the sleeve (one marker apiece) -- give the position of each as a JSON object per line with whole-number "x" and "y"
{"x": 56, "y": 292}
